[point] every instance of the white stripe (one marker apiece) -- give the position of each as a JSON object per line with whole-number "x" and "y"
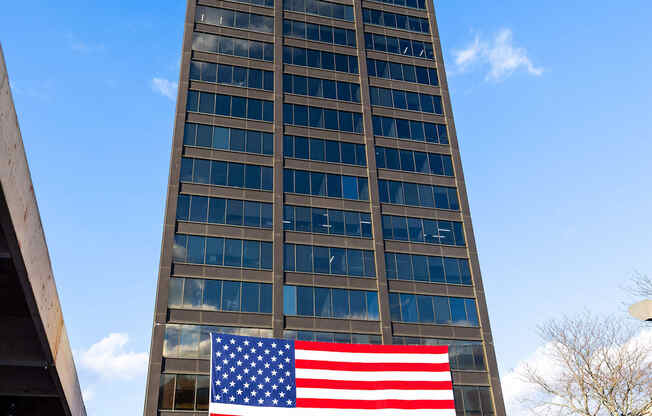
{"x": 310, "y": 393}
{"x": 374, "y": 375}
{"x": 359, "y": 357}
{"x": 275, "y": 411}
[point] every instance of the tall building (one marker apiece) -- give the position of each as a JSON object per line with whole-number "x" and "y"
{"x": 316, "y": 192}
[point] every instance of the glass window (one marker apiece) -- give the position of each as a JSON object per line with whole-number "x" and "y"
{"x": 305, "y": 301}
{"x": 251, "y": 253}
{"x": 288, "y": 262}
{"x": 358, "y": 303}
{"x": 233, "y": 253}
{"x": 184, "y": 393}
{"x": 408, "y": 308}
{"x": 322, "y": 260}
{"x": 252, "y": 176}
{"x": 338, "y": 261}
{"x": 451, "y": 267}
{"x": 214, "y": 251}
{"x": 369, "y": 263}
{"x": 436, "y": 269}
{"x": 442, "y": 310}
{"x": 415, "y": 229}
{"x": 354, "y": 261}
{"x": 340, "y": 303}
{"x": 332, "y": 151}
{"x": 192, "y": 293}
{"x": 231, "y": 296}
{"x": 404, "y": 267}
{"x": 334, "y": 185}
{"x": 323, "y": 307}
{"x": 234, "y": 212}
{"x": 195, "y": 249}
{"x": 216, "y": 209}
{"x": 304, "y": 260}
{"x": 250, "y": 297}
{"x": 336, "y": 221}
{"x": 254, "y": 141}
{"x": 290, "y": 300}
{"x": 349, "y": 187}
{"x": 394, "y": 307}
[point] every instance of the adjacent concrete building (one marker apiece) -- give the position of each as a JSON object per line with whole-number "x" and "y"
{"x": 37, "y": 372}
{"x": 316, "y": 192}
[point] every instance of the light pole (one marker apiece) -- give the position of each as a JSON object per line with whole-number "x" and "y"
{"x": 642, "y": 310}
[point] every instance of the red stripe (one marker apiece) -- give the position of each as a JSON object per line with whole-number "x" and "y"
{"x": 375, "y": 404}
{"x": 384, "y": 349}
{"x": 373, "y": 385}
{"x": 344, "y": 366}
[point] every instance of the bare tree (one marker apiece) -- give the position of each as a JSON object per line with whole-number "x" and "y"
{"x": 641, "y": 285}
{"x": 595, "y": 367}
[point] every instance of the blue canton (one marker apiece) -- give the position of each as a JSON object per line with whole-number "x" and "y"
{"x": 252, "y": 371}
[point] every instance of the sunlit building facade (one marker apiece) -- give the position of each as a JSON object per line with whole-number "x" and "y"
{"x": 316, "y": 192}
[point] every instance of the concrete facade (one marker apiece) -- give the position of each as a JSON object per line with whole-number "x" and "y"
{"x": 162, "y": 367}
{"x": 37, "y": 371}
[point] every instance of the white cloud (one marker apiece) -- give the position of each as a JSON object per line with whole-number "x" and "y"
{"x": 110, "y": 360}
{"x": 499, "y": 53}
{"x": 165, "y": 87}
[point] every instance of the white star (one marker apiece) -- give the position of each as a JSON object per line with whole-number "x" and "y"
{"x": 266, "y": 365}
{"x": 267, "y": 394}
{"x": 246, "y": 371}
{"x": 281, "y": 394}
{"x": 260, "y": 372}
{"x": 274, "y": 387}
{"x": 287, "y": 346}
{"x": 233, "y": 369}
{"x": 246, "y": 356}
{"x": 260, "y": 358}
{"x": 219, "y": 340}
{"x": 273, "y": 372}
{"x": 224, "y": 390}
{"x": 267, "y": 379}
{"x": 253, "y": 363}
{"x": 289, "y": 402}
{"x": 280, "y": 352}
{"x": 266, "y": 351}
{"x": 253, "y": 392}
{"x": 218, "y": 354}
{"x": 226, "y": 348}
{"x": 260, "y": 387}
{"x": 225, "y": 375}
{"x": 246, "y": 343}
{"x": 246, "y": 399}
{"x": 273, "y": 345}
{"x": 232, "y": 383}
{"x": 253, "y": 378}
{"x": 281, "y": 380}
{"x": 217, "y": 398}
{"x": 239, "y": 377}
{"x": 260, "y": 401}
{"x": 218, "y": 367}
{"x": 232, "y": 398}
{"x": 280, "y": 366}
{"x": 260, "y": 344}
{"x": 274, "y": 359}
{"x": 239, "y": 348}
{"x": 275, "y": 401}
{"x": 253, "y": 350}
{"x": 218, "y": 382}
{"x": 232, "y": 341}
{"x": 232, "y": 355}
{"x": 287, "y": 360}
{"x": 239, "y": 363}
{"x": 246, "y": 385}
{"x": 287, "y": 374}
{"x": 239, "y": 392}
{"x": 288, "y": 388}
{"x": 225, "y": 361}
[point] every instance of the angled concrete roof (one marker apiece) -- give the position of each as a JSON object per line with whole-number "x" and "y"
{"x": 37, "y": 372}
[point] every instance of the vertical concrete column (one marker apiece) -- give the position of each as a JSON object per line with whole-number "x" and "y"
{"x": 372, "y": 175}
{"x": 277, "y": 309}
{"x": 483, "y": 314}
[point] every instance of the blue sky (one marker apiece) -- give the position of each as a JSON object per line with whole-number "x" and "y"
{"x": 552, "y": 107}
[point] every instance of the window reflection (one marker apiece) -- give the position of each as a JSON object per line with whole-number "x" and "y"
{"x": 320, "y": 8}
{"x": 319, "y": 33}
{"x": 320, "y": 59}
{"x": 218, "y": 295}
{"x": 332, "y": 303}
{"x": 395, "y": 20}
{"x": 329, "y": 260}
{"x": 224, "y": 252}
{"x": 337, "y": 186}
{"x": 235, "y": 19}
{"x": 225, "y": 45}
{"x": 427, "y": 196}
{"x": 421, "y": 230}
{"x": 446, "y": 310}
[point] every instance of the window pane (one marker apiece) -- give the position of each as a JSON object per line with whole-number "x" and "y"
{"x": 266, "y": 255}
{"x": 214, "y": 251}
{"x": 213, "y": 295}
{"x": 323, "y": 305}
{"x": 252, "y": 254}
{"x": 358, "y": 304}
{"x": 305, "y": 301}
{"x": 195, "y": 249}
{"x": 349, "y": 187}
{"x": 426, "y": 312}
{"x": 334, "y": 185}
{"x": 250, "y": 297}
{"x": 175, "y": 293}
{"x": 166, "y": 390}
{"x": 233, "y": 253}
{"x": 404, "y": 267}
{"x": 408, "y": 308}
{"x": 336, "y": 221}
{"x": 231, "y": 296}
{"x": 183, "y": 207}
{"x": 352, "y": 222}
{"x": 234, "y": 212}
{"x": 436, "y": 269}
{"x": 290, "y": 300}
{"x": 340, "y": 303}
{"x": 185, "y": 393}
{"x": 322, "y": 260}
{"x": 338, "y": 261}
{"x": 304, "y": 261}
{"x": 354, "y": 260}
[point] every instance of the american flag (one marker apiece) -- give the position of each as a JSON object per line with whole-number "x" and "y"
{"x": 253, "y": 376}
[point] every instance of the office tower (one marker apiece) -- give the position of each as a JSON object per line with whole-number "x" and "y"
{"x": 316, "y": 192}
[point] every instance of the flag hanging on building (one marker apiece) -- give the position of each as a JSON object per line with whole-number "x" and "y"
{"x": 272, "y": 377}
